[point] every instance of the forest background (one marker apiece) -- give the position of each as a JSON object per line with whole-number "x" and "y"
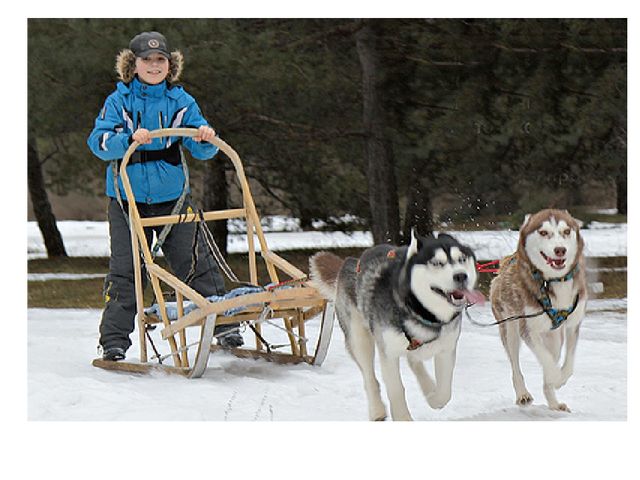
{"x": 394, "y": 122}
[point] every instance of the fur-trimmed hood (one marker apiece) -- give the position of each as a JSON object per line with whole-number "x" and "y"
{"x": 126, "y": 65}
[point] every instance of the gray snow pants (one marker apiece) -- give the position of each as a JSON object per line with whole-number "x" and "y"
{"x": 119, "y": 290}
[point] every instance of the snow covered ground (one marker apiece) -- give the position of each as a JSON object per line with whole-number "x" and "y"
{"x": 62, "y": 384}
{"x": 233, "y": 389}
{"x": 319, "y": 413}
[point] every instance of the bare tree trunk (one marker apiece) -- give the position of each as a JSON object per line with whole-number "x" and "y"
{"x": 378, "y": 151}
{"x": 215, "y": 197}
{"x": 41, "y": 205}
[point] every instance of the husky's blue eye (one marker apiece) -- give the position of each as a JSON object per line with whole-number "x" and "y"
{"x": 437, "y": 263}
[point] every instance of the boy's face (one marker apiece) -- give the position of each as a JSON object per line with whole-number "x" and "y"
{"x": 152, "y": 69}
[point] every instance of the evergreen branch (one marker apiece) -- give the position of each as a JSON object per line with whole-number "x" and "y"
{"x": 508, "y": 48}
{"x": 621, "y": 136}
{"x": 51, "y": 155}
{"x": 567, "y": 46}
{"x": 418, "y": 103}
{"x": 268, "y": 189}
{"x": 593, "y": 49}
{"x": 280, "y": 123}
{"x": 344, "y": 29}
{"x": 509, "y": 92}
{"x": 303, "y": 129}
{"x": 577, "y": 92}
{"x": 440, "y": 63}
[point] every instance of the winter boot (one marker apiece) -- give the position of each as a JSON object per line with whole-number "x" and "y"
{"x": 233, "y": 339}
{"x": 113, "y": 354}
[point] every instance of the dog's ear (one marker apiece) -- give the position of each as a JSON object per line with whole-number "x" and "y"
{"x": 413, "y": 246}
{"x": 526, "y": 220}
{"x": 577, "y": 220}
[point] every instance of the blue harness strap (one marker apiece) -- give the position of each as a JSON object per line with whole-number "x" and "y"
{"x": 557, "y": 316}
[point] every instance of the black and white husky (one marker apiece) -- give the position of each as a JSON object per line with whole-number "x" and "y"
{"x": 407, "y": 301}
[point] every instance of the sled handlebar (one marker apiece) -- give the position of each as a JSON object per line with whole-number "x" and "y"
{"x": 191, "y": 132}
{"x": 185, "y": 132}
{"x": 181, "y": 132}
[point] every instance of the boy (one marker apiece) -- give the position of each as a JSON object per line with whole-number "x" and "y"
{"x": 146, "y": 99}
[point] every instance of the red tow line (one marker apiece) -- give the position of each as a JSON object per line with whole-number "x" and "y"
{"x": 489, "y": 267}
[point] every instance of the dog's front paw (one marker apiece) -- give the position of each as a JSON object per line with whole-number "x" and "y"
{"x": 524, "y": 399}
{"x": 561, "y": 407}
{"x": 438, "y": 400}
{"x": 405, "y": 417}
{"x": 378, "y": 414}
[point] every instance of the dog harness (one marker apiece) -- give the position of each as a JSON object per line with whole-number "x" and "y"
{"x": 417, "y": 312}
{"x": 414, "y": 343}
{"x": 422, "y": 315}
{"x": 557, "y": 316}
{"x": 390, "y": 254}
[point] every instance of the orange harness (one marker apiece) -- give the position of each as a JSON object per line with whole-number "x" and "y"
{"x": 390, "y": 254}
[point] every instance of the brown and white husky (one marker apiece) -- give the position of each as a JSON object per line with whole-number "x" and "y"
{"x": 544, "y": 281}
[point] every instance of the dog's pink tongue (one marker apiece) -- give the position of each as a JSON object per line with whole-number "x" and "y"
{"x": 474, "y": 296}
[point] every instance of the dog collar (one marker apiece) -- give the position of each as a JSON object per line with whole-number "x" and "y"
{"x": 414, "y": 343}
{"x": 537, "y": 275}
{"x": 420, "y": 313}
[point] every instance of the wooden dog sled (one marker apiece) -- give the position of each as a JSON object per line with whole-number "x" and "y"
{"x": 288, "y": 306}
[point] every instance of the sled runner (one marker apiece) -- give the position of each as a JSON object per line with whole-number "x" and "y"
{"x": 284, "y": 306}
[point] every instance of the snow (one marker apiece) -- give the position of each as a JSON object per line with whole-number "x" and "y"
{"x": 92, "y": 239}
{"x": 319, "y": 412}
{"x": 44, "y": 277}
{"x": 233, "y": 389}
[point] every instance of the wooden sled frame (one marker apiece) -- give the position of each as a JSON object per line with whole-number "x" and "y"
{"x": 293, "y": 305}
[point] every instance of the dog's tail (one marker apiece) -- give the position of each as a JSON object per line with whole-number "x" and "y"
{"x": 324, "y": 268}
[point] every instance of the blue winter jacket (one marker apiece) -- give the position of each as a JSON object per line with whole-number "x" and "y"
{"x": 138, "y": 105}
